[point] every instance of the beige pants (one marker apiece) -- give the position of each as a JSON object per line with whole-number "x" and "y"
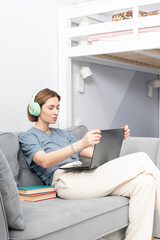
{"x": 134, "y": 176}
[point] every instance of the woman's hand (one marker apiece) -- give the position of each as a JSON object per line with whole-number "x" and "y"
{"x": 126, "y": 132}
{"x": 91, "y": 138}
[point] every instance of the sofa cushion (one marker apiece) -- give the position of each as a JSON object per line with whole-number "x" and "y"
{"x": 10, "y": 195}
{"x": 3, "y": 221}
{"x": 78, "y": 131}
{"x": 53, "y": 215}
{"x": 9, "y": 145}
{"x": 27, "y": 176}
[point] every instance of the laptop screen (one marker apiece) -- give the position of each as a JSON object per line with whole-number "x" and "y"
{"x": 109, "y": 147}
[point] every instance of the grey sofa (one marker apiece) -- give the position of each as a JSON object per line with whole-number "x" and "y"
{"x": 58, "y": 219}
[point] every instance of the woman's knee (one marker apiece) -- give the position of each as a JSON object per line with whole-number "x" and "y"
{"x": 143, "y": 158}
{"x": 142, "y": 155}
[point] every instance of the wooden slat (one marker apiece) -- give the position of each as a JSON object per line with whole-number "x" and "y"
{"x": 134, "y": 58}
{"x": 154, "y": 51}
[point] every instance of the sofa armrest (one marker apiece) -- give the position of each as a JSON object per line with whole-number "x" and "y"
{"x": 3, "y": 221}
{"x": 141, "y": 144}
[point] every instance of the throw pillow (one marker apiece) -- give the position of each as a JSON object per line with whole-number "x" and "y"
{"x": 10, "y": 196}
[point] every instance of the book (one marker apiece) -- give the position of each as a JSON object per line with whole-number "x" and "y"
{"x": 36, "y": 189}
{"x": 38, "y": 196}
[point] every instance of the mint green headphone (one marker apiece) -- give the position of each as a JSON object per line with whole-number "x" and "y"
{"x": 34, "y": 107}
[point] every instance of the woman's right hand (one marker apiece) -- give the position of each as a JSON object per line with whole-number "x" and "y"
{"x": 91, "y": 138}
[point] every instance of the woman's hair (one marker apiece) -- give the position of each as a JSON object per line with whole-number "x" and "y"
{"x": 41, "y": 98}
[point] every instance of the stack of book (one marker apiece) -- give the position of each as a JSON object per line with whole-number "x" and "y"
{"x": 36, "y": 193}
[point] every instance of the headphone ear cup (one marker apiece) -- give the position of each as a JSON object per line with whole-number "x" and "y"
{"x": 34, "y": 109}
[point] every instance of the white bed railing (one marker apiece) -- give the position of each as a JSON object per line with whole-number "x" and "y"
{"x": 84, "y": 10}
{"x": 113, "y": 26}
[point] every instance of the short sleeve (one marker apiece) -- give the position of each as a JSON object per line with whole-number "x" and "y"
{"x": 29, "y": 145}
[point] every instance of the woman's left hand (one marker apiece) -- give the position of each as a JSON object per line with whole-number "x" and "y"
{"x": 126, "y": 132}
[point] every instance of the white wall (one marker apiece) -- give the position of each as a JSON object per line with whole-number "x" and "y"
{"x": 28, "y": 56}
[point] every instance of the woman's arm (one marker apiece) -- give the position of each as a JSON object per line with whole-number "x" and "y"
{"x": 47, "y": 160}
{"x": 87, "y": 152}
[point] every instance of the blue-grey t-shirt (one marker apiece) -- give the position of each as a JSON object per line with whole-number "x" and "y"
{"x": 35, "y": 140}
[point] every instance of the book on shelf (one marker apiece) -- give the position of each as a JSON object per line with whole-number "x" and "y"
{"x": 36, "y": 189}
{"x": 37, "y": 197}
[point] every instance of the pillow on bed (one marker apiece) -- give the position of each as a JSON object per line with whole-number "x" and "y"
{"x": 127, "y": 15}
{"x": 10, "y": 196}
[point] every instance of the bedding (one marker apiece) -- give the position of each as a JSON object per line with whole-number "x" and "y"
{"x": 129, "y": 15}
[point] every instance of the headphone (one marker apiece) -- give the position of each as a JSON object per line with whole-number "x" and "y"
{"x": 34, "y": 107}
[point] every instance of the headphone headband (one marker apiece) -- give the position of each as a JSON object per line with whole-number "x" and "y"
{"x": 36, "y": 92}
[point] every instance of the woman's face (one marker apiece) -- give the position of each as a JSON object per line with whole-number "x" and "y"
{"x": 50, "y": 111}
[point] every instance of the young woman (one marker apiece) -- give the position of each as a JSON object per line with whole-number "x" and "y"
{"x": 134, "y": 175}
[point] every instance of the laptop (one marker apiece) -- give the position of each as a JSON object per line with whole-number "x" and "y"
{"x": 107, "y": 149}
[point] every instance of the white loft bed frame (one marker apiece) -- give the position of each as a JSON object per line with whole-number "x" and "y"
{"x": 96, "y": 53}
